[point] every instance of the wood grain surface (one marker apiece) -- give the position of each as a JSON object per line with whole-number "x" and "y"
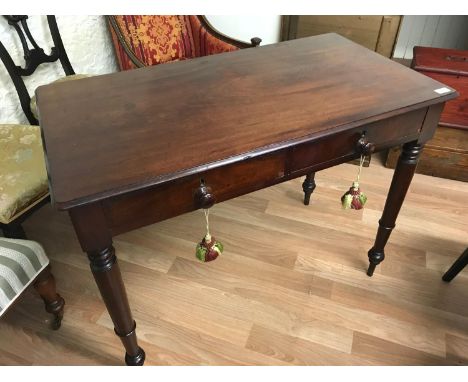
{"x": 111, "y": 134}
{"x": 290, "y": 288}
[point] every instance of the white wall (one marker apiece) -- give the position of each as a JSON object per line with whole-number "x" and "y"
{"x": 245, "y": 27}
{"x": 86, "y": 41}
{"x": 435, "y": 31}
{"x": 89, "y": 48}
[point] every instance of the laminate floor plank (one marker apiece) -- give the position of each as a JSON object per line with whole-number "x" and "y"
{"x": 457, "y": 349}
{"x": 311, "y": 308}
{"x": 437, "y": 294}
{"x": 262, "y": 246}
{"x": 10, "y": 359}
{"x": 297, "y": 351}
{"x": 392, "y": 306}
{"x": 441, "y": 262}
{"x": 384, "y": 352}
{"x": 275, "y": 302}
{"x": 178, "y": 290}
{"x": 289, "y": 289}
{"x": 202, "y": 348}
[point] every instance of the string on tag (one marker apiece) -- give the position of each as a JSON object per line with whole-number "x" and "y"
{"x": 209, "y": 248}
{"x": 361, "y": 164}
{"x": 207, "y": 219}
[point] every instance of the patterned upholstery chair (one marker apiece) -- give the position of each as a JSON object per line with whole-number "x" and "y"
{"x": 23, "y": 176}
{"x": 23, "y": 262}
{"x": 148, "y": 40}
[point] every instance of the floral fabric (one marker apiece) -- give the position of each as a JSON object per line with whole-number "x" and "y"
{"x": 23, "y": 175}
{"x": 154, "y": 40}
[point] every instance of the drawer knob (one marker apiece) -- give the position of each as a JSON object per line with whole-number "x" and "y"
{"x": 364, "y": 146}
{"x": 204, "y": 197}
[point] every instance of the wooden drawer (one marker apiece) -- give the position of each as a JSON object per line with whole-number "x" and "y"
{"x": 343, "y": 146}
{"x": 175, "y": 198}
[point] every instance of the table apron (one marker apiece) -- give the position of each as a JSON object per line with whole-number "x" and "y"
{"x": 143, "y": 207}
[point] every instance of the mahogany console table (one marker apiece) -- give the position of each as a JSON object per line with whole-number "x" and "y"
{"x": 129, "y": 149}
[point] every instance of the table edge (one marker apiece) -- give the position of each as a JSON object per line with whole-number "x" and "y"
{"x": 165, "y": 178}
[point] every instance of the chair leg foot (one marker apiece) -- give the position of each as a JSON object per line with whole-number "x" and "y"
{"x": 54, "y": 303}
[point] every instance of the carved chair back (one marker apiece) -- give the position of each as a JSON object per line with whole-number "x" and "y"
{"x": 33, "y": 57}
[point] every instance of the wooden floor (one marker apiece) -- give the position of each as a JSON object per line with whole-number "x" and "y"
{"x": 290, "y": 288}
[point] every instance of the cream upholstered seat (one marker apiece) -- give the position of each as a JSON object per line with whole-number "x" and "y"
{"x": 23, "y": 175}
{"x": 72, "y": 77}
{"x": 21, "y": 262}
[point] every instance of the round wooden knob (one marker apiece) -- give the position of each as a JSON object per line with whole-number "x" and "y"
{"x": 364, "y": 146}
{"x": 204, "y": 197}
{"x": 256, "y": 41}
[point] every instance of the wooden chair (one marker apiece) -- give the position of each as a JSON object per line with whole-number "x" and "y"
{"x": 148, "y": 40}
{"x": 23, "y": 177}
{"x": 24, "y": 262}
{"x": 33, "y": 57}
{"x": 456, "y": 267}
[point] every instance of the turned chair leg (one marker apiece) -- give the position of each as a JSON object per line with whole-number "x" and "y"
{"x": 456, "y": 267}
{"x": 308, "y": 186}
{"x": 54, "y": 303}
{"x": 13, "y": 231}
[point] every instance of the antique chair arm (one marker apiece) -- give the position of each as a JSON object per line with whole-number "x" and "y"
{"x": 255, "y": 41}
{"x": 210, "y": 41}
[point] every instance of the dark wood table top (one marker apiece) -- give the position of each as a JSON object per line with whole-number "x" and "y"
{"x": 111, "y": 134}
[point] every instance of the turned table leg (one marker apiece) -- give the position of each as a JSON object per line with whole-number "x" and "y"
{"x": 106, "y": 272}
{"x": 402, "y": 177}
{"x": 93, "y": 234}
{"x": 308, "y": 186}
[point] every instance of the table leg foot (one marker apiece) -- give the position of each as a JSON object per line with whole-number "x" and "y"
{"x": 308, "y": 186}
{"x": 375, "y": 258}
{"x": 401, "y": 181}
{"x": 135, "y": 360}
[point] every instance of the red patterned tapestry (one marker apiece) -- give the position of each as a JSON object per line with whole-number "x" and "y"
{"x": 154, "y": 40}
